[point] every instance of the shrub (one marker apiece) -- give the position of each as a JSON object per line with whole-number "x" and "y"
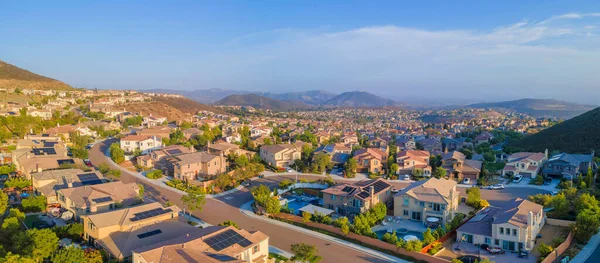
{"x": 115, "y": 173}
{"x": 435, "y": 248}
{"x": 428, "y": 237}
{"x": 545, "y": 250}
{"x": 391, "y": 238}
{"x": 156, "y": 174}
{"x": 285, "y": 184}
{"x": 414, "y": 245}
{"x": 327, "y": 220}
{"x": 34, "y": 203}
{"x": 306, "y": 216}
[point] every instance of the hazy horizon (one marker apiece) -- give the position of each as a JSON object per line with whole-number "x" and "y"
{"x": 472, "y": 52}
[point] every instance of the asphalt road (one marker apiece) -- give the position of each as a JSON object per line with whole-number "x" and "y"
{"x": 218, "y": 210}
{"x": 226, "y": 207}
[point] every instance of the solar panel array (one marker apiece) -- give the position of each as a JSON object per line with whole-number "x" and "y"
{"x": 49, "y": 144}
{"x": 380, "y": 185}
{"x": 65, "y": 161}
{"x": 149, "y": 234}
{"x": 150, "y": 213}
{"x": 43, "y": 151}
{"x": 363, "y": 194}
{"x": 103, "y": 199}
{"x": 221, "y": 257}
{"x": 174, "y": 151}
{"x": 89, "y": 179}
{"x": 226, "y": 239}
{"x": 348, "y": 189}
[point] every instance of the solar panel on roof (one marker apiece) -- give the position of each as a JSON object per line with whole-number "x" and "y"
{"x": 221, "y": 257}
{"x": 363, "y": 194}
{"x": 103, "y": 199}
{"x": 226, "y": 239}
{"x": 174, "y": 151}
{"x": 49, "y": 144}
{"x": 347, "y": 189}
{"x": 150, "y": 213}
{"x": 89, "y": 179}
{"x": 43, "y": 151}
{"x": 149, "y": 234}
{"x": 65, "y": 161}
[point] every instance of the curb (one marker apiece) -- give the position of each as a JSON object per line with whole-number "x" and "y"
{"x": 246, "y": 210}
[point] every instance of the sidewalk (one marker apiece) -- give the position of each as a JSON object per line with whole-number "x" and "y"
{"x": 246, "y": 209}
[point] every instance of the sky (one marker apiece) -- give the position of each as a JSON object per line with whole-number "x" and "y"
{"x": 410, "y": 51}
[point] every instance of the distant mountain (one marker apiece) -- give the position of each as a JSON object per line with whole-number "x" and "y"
{"x": 15, "y": 77}
{"x": 577, "y": 135}
{"x": 261, "y": 102}
{"x": 359, "y": 99}
{"x": 313, "y": 97}
{"x": 540, "y": 107}
{"x": 207, "y": 96}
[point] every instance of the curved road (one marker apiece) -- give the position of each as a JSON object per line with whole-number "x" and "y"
{"x": 226, "y": 207}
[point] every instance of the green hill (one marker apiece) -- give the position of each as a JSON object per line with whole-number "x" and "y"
{"x": 577, "y": 135}
{"x": 540, "y": 107}
{"x": 15, "y": 77}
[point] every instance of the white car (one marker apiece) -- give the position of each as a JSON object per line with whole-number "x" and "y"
{"x": 466, "y": 181}
{"x": 497, "y": 186}
{"x": 406, "y": 177}
{"x": 289, "y": 170}
{"x": 517, "y": 178}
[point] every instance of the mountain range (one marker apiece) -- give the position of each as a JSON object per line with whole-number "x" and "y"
{"x": 540, "y": 107}
{"x": 577, "y": 135}
{"x": 14, "y": 77}
{"x": 261, "y": 102}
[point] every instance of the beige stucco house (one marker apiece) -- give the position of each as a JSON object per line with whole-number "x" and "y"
{"x": 280, "y": 155}
{"x": 434, "y": 197}
{"x": 197, "y": 165}
{"x": 357, "y": 198}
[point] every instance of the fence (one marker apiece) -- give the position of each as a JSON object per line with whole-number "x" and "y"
{"x": 552, "y": 257}
{"x": 558, "y": 222}
{"x": 303, "y": 185}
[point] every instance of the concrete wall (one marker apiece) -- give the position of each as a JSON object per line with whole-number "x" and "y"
{"x": 558, "y": 222}
{"x": 559, "y": 250}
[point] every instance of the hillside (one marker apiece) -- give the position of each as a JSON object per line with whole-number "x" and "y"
{"x": 15, "y": 77}
{"x": 261, "y": 102}
{"x": 172, "y": 108}
{"x": 313, "y": 97}
{"x": 359, "y": 99}
{"x": 207, "y": 96}
{"x": 540, "y": 107}
{"x": 577, "y": 135}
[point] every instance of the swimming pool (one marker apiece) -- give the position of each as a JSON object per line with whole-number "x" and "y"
{"x": 400, "y": 233}
{"x": 297, "y": 204}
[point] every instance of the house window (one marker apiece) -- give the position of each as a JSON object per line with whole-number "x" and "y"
{"x": 496, "y": 242}
{"x": 416, "y": 202}
{"x": 405, "y": 212}
{"x": 437, "y": 207}
{"x": 502, "y": 230}
{"x": 488, "y": 240}
{"x": 405, "y": 201}
{"x": 333, "y": 197}
{"x": 422, "y": 204}
{"x": 443, "y": 207}
{"x": 255, "y": 249}
{"x": 514, "y": 232}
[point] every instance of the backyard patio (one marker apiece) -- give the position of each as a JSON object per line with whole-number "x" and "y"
{"x": 401, "y": 226}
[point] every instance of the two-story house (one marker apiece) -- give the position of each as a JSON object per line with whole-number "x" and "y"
{"x": 431, "y": 145}
{"x": 405, "y": 143}
{"x": 260, "y": 131}
{"x": 357, "y": 198}
{"x": 280, "y": 155}
{"x": 198, "y": 165}
{"x": 513, "y": 226}
{"x": 527, "y": 164}
{"x": 98, "y": 198}
{"x": 339, "y": 153}
{"x": 143, "y": 143}
{"x": 158, "y": 158}
{"x": 569, "y": 165}
{"x": 432, "y": 198}
{"x": 409, "y": 160}
{"x": 370, "y": 160}
{"x": 209, "y": 244}
{"x": 47, "y": 183}
{"x": 459, "y": 167}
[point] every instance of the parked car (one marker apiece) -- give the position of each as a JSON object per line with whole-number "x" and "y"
{"x": 289, "y": 170}
{"x": 406, "y": 177}
{"x": 553, "y": 193}
{"x": 89, "y": 146}
{"x": 497, "y": 186}
{"x": 246, "y": 183}
{"x": 87, "y": 162}
{"x": 517, "y": 178}
{"x": 466, "y": 181}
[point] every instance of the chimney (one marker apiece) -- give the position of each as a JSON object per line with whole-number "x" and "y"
{"x": 93, "y": 207}
{"x": 530, "y": 218}
{"x": 70, "y": 183}
{"x": 372, "y": 194}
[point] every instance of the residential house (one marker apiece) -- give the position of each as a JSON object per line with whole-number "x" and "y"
{"x": 484, "y": 137}
{"x": 339, "y": 152}
{"x": 450, "y": 144}
{"x": 43, "y": 113}
{"x": 527, "y": 164}
{"x": 41, "y": 159}
{"x": 224, "y": 149}
{"x": 123, "y": 230}
{"x": 379, "y": 143}
{"x": 423, "y": 199}
{"x": 198, "y": 165}
{"x": 459, "y": 167}
{"x": 98, "y": 198}
{"x": 152, "y": 121}
{"x": 157, "y": 158}
{"x": 47, "y": 183}
{"x": 206, "y": 245}
{"x": 513, "y": 226}
{"x": 410, "y": 160}
{"x": 142, "y": 143}
{"x": 280, "y": 155}
{"x": 192, "y": 132}
{"x": 432, "y": 145}
{"x": 259, "y": 131}
{"x": 569, "y": 165}
{"x": 404, "y": 143}
{"x": 356, "y": 198}
{"x": 158, "y": 131}
{"x": 370, "y": 160}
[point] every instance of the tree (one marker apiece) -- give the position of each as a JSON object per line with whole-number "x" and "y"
{"x": 428, "y": 237}
{"x": 305, "y": 253}
{"x": 115, "y": 173}
{"x": 273, "y": 206}
{"x": 589, "y": 178}
{"x": 350, "y": 168}
{"x": 391, "y": 238}
{"x": 116, "y": 153}
{"x": 586, "y": 225}
{"x": 321, "y": 161}
{"x": 70, "y": 254}
{"x": 10, "y": 225}
{"x": 560, "y": 204}
{"x": 456, "y": 260}
{"x": 241, "y": 160}
{"x": 439, "y": 172}
{"x": 223, "y": 181}
{"x": 43, "y": 243}
{"x": 413, "y": 245}
{"x": 261, "y": 194}
{"x": 193, "y": 201}
{"x": 34, "y": 203}
{"x": 541, "y": 199}
{"x": 3, "y": 202}
{"x": 230, "y": 223}
{"x": 473, "y": 197}
{"x": 585, "y": 201}
{"x": 16, "y": 258}
{"x": 345, "y": 228}
{"x": 393, "y": 169}
{"x": 418, "y": 172}
{"x": 545, "y": 250}
{"x": 142, "y": 190}
{"x": 306, "y": 216}
{"x": 103, "y": 168}
{"x": 155, "y": 174}
{"x": 92, "y": 256}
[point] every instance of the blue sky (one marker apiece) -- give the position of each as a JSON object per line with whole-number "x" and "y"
{"x": 407, "y": 50}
